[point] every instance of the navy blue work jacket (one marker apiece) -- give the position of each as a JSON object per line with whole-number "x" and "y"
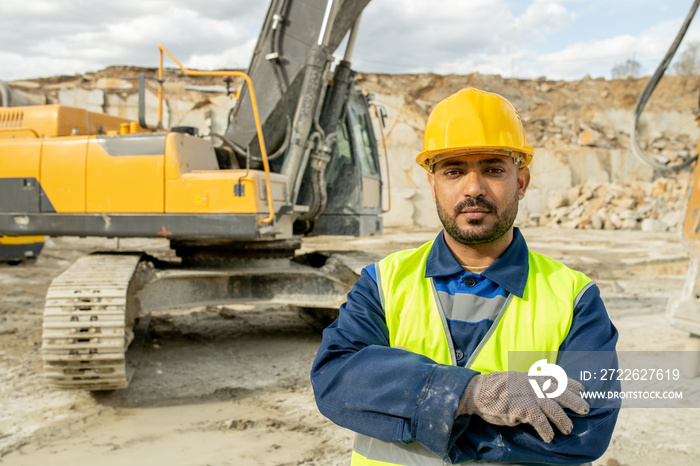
{"x": 363, "y": 384}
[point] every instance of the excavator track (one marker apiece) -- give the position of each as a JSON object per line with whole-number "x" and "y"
{"x": 88, "y": 319}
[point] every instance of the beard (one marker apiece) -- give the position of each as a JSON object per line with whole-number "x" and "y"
{"x": 476, "y": 232}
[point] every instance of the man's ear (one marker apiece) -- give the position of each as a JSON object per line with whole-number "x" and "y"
{"x": 431, "y": 180}
{"x": 523, "y": 181}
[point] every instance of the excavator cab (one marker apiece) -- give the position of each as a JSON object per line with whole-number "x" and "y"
{"x": 354, "y": 181}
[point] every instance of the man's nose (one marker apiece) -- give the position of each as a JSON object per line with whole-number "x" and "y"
{"x": 473, "y": 184}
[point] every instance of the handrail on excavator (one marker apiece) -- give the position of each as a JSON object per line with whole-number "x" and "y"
{"x": 253, "y": 101}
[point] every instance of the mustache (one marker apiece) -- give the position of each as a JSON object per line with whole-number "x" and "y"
{"x": 475, "y": 202}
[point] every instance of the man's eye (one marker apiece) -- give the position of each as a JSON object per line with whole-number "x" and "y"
{"x": 495, "y": 170}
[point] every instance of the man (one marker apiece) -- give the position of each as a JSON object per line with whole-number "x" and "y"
{"x": 417, "y": 364}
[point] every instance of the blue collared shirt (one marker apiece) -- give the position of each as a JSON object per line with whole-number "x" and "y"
{"x": 363, "y": 384}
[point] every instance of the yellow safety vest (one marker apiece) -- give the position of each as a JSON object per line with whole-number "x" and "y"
{"x": 535, "y": 326}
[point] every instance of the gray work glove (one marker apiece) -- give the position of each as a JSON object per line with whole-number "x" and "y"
{"x": 508, "y": 399}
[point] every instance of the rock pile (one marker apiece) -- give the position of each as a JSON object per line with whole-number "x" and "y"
{"x": 655, "y": 206}
{"x": 665, "y": 147}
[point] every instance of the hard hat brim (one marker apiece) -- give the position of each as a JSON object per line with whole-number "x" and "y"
{"x": 427, "y": 159}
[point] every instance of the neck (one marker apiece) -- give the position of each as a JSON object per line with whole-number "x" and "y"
{"x": 479, "y": 255}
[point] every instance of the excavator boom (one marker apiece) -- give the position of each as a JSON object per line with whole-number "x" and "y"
{"x": 287, "y": 47}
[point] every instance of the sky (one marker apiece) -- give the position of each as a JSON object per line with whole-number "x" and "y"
{"x": 558, "y": 39}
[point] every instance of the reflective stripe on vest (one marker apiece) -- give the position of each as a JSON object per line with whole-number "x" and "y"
{"x": 398, "y": 454}
{"x": 534, "y": 325}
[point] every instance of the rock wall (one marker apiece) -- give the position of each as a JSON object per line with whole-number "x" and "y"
{"x": 583, "y": 173}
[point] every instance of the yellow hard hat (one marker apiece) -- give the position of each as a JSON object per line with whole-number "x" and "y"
{"x": 473, "y": 122}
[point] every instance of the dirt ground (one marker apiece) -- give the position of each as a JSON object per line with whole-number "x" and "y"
{"x": 232, "y": 388}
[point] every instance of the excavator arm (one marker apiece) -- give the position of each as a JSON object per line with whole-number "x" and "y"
{"x": 301, "y": 114}
{"x": 297, "y": 36}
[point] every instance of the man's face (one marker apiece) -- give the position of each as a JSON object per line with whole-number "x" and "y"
{"x": 477, "y": 196}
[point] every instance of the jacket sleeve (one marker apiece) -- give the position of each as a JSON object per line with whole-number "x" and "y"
{"x": 592, "y": 333}
{"x": 360, "y": 382}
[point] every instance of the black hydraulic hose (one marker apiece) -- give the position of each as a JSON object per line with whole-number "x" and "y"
{"x": 276, "y": 36}
{"x": 318, "y": 167}
{"x": 317, "y": 179}
{"x": 242, "y": 152}
{"x": 227, "y": 142}
{"x": 281, "y": 82}
{"x": 649, "y": 89}
{"x": 285, "y": 144}
{"x": 274, "y": 47}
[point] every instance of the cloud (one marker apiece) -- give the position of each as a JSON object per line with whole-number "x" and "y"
{"x": 86, "y": 36}
{"x": 581, "y": 56}
{"x": 424, "y": 35}
{"x": 545, "y": 16}
{"x": 237, "y": 57}
{"x": 562, "y": 39}
{"x": 47, "y": 66}
{"x": 597, "y": 57}
{"x": 454, "y": 36}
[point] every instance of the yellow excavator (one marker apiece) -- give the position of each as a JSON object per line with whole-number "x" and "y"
{"x": 299, "y": 157}
{"x": 683, "y": 311}
{"x": 16, "y": 249}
